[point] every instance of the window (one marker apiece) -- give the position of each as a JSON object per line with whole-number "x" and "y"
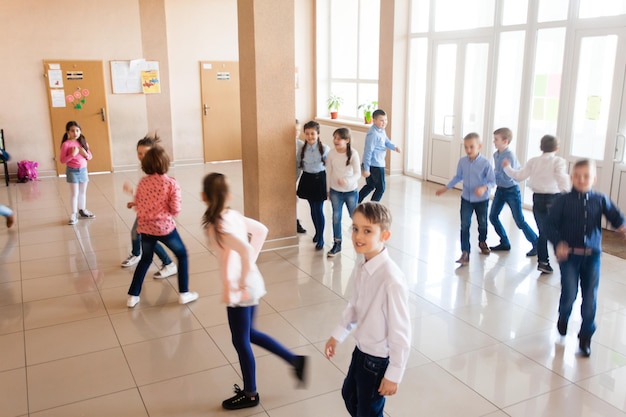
{"x": 596, "y": 8}
{"x": 463, "y": 14}
{"x": 509, "y": 80}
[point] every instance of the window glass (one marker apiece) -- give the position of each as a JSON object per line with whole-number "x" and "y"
{"x": 463, "y": 14}
{"x": 445, "y": 74}
{"x": 347, "y": 91}
{"x": 552, "y": 10}
{"x": 368, "y": 39}
{"x": 420, "y": 14}
{"x": 475, "y": 88}
{"x": 416, "y": 114}
{"x": 597, "y": 8}
{"x": 367, "y": 92}
{"x": 514, "y": 12}
{"x": 343, "y": 39}
{"x": 509, "y": 80}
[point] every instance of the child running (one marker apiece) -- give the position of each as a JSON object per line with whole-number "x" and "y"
{"x": 157, "y": 201}
{"x": 168, "y": 268}
{"x": 343, "y": 169}
{"x": 312, "y": 185}
{"x": 75, "y": 153}
{"x": 237, "y": 241}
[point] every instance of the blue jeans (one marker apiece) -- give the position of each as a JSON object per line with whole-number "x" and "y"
{"x": 586, "y": 269}
{"x": 360, "y": 388}
{"x": 467, "y": 209}
{"x": 135, "y": 239}
{"x": 337, "y": 200}
{"x": 241, "y": 323}
{"x": 375, "y": 182}
{"x": 541, "y": 208}
{"x": 317, "y": 215}
{"x": 513, "y": 198}
{"x": 176, "y": 245}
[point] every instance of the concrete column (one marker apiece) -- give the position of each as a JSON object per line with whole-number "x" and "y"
{"x": 267, "y": 78}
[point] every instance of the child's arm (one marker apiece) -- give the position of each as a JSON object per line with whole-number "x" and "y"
{"x": 368, "y": 150}
{"x": 518, "y": 174}
{"x": 246, "y": 253}
{"x": 175, "y": 199}
{"x": 489, "y": 179}
{"x": 390, "y": 145}
{"x": 560, "y": 173}
{"x": 257, "y": 233}
{"x": 457, "y": 178}
{"x": 398, "y": 337}
{"x": 355, "y": 163}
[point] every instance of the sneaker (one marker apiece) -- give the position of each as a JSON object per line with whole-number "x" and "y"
{"x": 484, "y": 249}
{"x": 299, "y": 368}
{"x": 544, "y": 267}
{"x": 561, "y": 326}
{"x": 133, "y": 300}
{"x": 187, "y": 297}
{"x": 464, "y": 259}
{"x": 86, "y": 214}
{"x": 532, "y": 252}
{"x": 335, "y": 250}
{"x": 299, "y": 227}
{"x": 500, "y": 247}
{"x": 319, "y": 245}
{"x": 73, "y": 219}
{"x": 166, "y": 271}
{"x": 131, "y": 260}
{"x": 240, "y": 400}
{"x": 10, "y": 220}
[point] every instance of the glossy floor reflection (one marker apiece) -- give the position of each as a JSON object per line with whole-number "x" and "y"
{"x": 484, "y": 336}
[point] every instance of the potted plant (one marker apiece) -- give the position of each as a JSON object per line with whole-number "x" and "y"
{"x": 334, "y": 101}
{"x": 368, "y": 107}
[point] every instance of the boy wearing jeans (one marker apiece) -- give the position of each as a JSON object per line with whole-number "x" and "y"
{"x": 575, "y": 230}
{"x": 379, "y": 311}
{"x": 477, "y": 175}
{"x": 507, "y": 192}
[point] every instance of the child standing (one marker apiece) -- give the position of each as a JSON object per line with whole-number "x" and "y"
{"x": 312, "y": 185}
{"x": 477, "y": 175}
{"x": 374, "y": 152}
{"x": 343, "y": 169}
{"x": 168, "y": 268}
{"x": 157, "y": 202}
{"x": 299, "y": 145}
{"x": 547, "y": 177}
{"x": 379, "y": 311}
{"x": 507, "y": 192}
{"x": 75, "y": 153}
{"x": 8, "y": 213}
{"x": 237, "y": 241}
{"x": 574, "y": 228}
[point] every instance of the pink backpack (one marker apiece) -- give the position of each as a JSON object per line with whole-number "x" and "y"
{"x": 27, "y": 171}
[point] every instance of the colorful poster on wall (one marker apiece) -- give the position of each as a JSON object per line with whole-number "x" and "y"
{"x": 150, "y": 82}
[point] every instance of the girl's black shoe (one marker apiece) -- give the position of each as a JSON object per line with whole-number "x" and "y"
{"x": 240, "y": 400}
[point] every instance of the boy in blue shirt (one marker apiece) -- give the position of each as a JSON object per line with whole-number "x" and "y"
{"x": 507, "y": 192}
{"x": 575, "y": 229}
{"x": 374, "y": 152}
{"x": 477, "y": 175}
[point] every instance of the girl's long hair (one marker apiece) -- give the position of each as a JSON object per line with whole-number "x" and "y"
{"x": 312, "y": 125}
{"x": 215, "y": 189}
{"x": 81, "y": 138}
{"x": 344, "y": 133}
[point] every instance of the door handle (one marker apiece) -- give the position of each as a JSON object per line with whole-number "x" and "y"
{"x": 103, "y": 114}
{"x": 618, "y": 155}
{"x": 205, "y": 109}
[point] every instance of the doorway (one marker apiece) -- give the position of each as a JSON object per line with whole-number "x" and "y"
{"x": 76, "y": 91}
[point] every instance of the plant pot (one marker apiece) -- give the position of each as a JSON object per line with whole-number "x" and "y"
{"x": 367, "y": 118}
{"x": 333, "y": 114}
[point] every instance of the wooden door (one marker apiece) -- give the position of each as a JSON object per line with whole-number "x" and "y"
{"x": 221, "y": 114}
{"x": 76, "y": 91}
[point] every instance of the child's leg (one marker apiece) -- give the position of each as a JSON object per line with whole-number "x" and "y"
{"x": 317, "y": 215}
{"x": 147, "y": 249}
{"x": 135, "y": 239}
{"x": 351, "y": 199}
{"x": 481, "y": 218}
{"x": 368, "y": 187}
{"x": 176, "y": 245}
{"x": 162, "y": 254}
{"x": 239, "y": 321}
{"x": 267, "y": 342}
{"x": 82, "y": 195}
{"x": 336, "y": 200}
{"x": 466, "y": 222}
{"x": 378, "y": 174}
{"x": 367, "y": 373}
{"x": 541, "y": 202}
{"x": 570, "y": 270}
{"x": 589, "y": 281}
{"x": 514, "y": 200}
{"x": 348, "y": 390}
{"x": 73, "y": 196}
{"x": 496, "y": 208}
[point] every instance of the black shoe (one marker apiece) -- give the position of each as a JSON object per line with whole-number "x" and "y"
{"x": 299, "y": 227}
{"x": 500, "y": 247}
{"x": 315, "y": 239}
{"x": 532, "y": 252}
{"x": 319, "y": 245}
{"x": 544, "y": 267}
{"x": 335, "y": 250}
{"x": 299, "y": 367}
{"x": 561, "y": 325}
{"x": 240, "y": 400}
{"x": 585, "y": 346}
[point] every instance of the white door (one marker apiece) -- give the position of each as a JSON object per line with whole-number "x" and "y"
{"x": 460, "y": 82}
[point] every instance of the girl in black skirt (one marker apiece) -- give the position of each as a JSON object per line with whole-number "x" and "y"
{"x": 312, "y": 185}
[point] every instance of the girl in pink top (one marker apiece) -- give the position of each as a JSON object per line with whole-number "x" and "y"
{"x": 237, "y": 241}
{"x": 157, "y": 201}
{"x": 75, "y": 153}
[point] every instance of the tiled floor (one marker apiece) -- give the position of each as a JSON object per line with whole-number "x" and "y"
{"x": 484, "y": 336}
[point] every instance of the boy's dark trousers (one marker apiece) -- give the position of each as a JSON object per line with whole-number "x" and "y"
{"x": 375, "y": 182}
{"x": 541, "y": 208}
{"x": 360, "y": 388}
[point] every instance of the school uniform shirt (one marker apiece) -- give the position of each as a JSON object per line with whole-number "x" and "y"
{"x": 312, "y": 161}
{"x": 157, "y": 201}
{"x": 375, "y": 150}
{"x": 337, "y": 169}
{"x": 230, "y": 262}
{"x": 474, "y": 174}
{"x": 576, "y": 218}
{"x": 502, "y": 179}
{"x": 73, "y": 161}
{"x": 378, "y": 312}
{"x": 546, "y": 174}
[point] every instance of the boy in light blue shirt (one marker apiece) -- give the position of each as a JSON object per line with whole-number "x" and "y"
{"x": 477, "y": 175}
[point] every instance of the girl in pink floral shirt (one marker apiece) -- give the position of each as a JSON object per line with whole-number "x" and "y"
{"x": 157, "y": 201}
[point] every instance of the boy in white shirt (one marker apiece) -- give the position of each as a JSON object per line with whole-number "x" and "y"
{"x": 379, "y": 311}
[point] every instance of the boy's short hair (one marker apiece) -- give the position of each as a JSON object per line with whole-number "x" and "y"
{"x": 472, "y": 136}
{"x": 156, "y": 161}
{"x": 378, "y": 112}
{"x": 149, "y": 141}
{"x": 375, "y": 213}
{"x": 582, "y": 163}
{"x": 504, "y": 133}
{"x": 549, "y": 143}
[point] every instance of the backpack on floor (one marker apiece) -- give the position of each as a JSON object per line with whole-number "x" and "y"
{"x": 27, "y": 171}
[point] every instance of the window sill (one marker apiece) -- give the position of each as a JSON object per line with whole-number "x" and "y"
{"x": 352, "y": 124}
